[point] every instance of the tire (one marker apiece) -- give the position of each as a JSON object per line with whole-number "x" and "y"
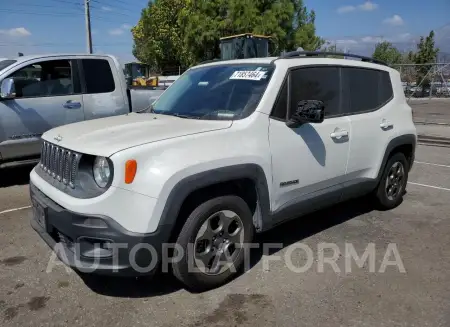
{"x": 385, "y": 199}
{"x": 208, "y": 220}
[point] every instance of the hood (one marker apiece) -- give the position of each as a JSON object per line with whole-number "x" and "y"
{"x": 106, "y": 136}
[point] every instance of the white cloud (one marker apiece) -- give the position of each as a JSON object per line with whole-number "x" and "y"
{"x": 16, "y": 32}
{"x": 368, "y": 6}
{"x": 404, "y": 36}
{"x": 395, "y": 20}
{"x": 372, "y": 39}
{"x": 120, "y": 30}
{"x": 346, "y": 41}
{"x": 345, "y": 9}
{"x": 106, "y": 8}
{"x": 116, "y": 31}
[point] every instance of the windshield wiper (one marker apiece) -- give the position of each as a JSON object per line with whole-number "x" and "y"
{"x": 178, "y": 115}
{"x": 152, "y": 109}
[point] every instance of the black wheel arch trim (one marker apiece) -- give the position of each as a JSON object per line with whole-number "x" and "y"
{"x": 406, "y": 139}
{"x": 254, "y": 172}
{"x": 191, "y": 183}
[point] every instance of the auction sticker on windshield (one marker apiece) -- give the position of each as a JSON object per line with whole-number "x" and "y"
{"x": 253, "y": 75}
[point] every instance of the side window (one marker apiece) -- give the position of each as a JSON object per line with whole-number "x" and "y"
{"x": 98, "y": 76}
{"x": 317, "y": 83}
{"x": 385, "y": 87}
{"x": 368, "y": 89}
{"x": 47, "y": 78}
{"x": 280, "y": 109}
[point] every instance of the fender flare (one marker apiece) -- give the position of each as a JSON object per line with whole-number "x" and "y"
{"x": 407, "y": 139}
{"x": 191, "y": 183}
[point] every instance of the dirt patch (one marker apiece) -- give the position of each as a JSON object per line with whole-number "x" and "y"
{"x": 12, "y": 261}
{"x": 240, "y": 310}
{"x": 37, "y": 303}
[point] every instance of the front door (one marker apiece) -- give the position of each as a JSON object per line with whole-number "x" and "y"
{"x": 47, "y": 95}
{"x": 309, "y": 161}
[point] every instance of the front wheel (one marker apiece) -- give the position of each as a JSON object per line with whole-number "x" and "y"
{"x": 391, "y": 188}
{"x": 212, "y": 242}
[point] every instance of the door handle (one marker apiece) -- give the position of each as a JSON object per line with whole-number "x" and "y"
{"x": 72, "y": 105}
{"x": 385, "y": 124}
{"x": 339, "y": 134}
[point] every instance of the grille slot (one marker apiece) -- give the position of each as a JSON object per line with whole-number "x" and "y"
{"x": 59, "y": 163}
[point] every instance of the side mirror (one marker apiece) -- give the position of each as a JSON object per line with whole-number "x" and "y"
{"x": 307, "y": 111}
{"x": 7, "y": 89}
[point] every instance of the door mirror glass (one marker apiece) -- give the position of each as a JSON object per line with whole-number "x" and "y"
{"x": 307, "y": 111}
{"x": 7, "y": 90}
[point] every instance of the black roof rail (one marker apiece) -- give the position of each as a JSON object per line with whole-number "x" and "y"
{"x": 296, "y": 54}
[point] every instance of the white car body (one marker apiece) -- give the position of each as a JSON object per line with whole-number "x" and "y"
{"x": 312, "y": 163}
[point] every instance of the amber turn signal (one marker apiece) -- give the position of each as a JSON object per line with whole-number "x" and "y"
{"x": 130, "y": 171}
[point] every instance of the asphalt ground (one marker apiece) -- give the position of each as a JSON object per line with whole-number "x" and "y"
{"x": 432, "y": 110}
{"x": 269, "y": 294}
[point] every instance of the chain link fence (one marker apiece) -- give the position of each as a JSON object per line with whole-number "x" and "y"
{"x": 426, "y": 80}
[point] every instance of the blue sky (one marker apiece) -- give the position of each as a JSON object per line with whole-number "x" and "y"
{"x": 40, "y": 26}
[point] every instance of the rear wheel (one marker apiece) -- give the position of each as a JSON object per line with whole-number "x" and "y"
{"x": 212, "y": 242}
{"x": 391, "y": 188}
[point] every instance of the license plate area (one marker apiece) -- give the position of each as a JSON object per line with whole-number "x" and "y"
{"x": 39, "y": 213}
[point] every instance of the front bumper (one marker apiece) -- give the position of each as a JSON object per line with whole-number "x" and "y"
{"x": 95, "y": 244}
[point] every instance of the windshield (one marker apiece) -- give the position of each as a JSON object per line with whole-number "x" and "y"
{"x": 6, "y": 63}
{"x": 216, "y": 92}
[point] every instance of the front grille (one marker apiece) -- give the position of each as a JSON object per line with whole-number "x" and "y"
{"x": 60, "y": 163}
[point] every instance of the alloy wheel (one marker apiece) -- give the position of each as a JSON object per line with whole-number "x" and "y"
{"x": 394, "y": 181}
{"x": 218, "y": 242}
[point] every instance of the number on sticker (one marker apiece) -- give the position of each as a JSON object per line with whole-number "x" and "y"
{"x": 248, "y": 75}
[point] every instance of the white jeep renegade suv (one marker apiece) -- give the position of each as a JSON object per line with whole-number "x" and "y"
{"x": 231, "y": 149}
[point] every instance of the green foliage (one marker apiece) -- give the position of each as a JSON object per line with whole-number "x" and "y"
{"x": 188, "y": 31}
{"x": 157, "y": 39}
{"x": 386, "y": 52}
{"x": 426, "y": 53}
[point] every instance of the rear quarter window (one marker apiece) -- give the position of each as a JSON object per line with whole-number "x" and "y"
{"x": 367, "y": 89}
{"x": 98, "y": 76}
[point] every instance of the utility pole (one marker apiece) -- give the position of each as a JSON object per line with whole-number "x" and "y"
{"x": 88, "y": 26}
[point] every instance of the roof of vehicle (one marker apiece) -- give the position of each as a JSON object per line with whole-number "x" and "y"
{"x": 51, "y": 55}
{"x": 297, "y": 58}
{"x": 264, "y": 60}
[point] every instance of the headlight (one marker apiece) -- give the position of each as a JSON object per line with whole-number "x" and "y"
{"x": 101, "y": 171}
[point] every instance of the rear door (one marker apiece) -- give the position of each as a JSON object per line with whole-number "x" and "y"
{"x": 102, "y": 92}
{"x": 372, "y": 114}
{"x": 48, "y": 95}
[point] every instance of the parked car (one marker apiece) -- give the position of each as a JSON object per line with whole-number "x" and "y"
{"x": 231, "y": 149}
{"x": 45, "y": 91}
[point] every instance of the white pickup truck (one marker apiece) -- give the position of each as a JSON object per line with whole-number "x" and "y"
{"x": 41, "y": 92}
{"x": 231, "y": 149}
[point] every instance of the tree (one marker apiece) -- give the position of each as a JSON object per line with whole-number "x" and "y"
{"x": 386, "y": 52}
{"x": 407, "y": 70}
{"x": 157, "y": 39}
{"x": 426, "y": 54}
{"x": 188, "y": 31}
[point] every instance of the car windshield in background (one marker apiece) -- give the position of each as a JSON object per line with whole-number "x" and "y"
{"x": 6, "y": 63}
{"x": 216, "y": 92}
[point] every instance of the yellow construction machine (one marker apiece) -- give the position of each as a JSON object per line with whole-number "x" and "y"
{"x": 247, "y": 45}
